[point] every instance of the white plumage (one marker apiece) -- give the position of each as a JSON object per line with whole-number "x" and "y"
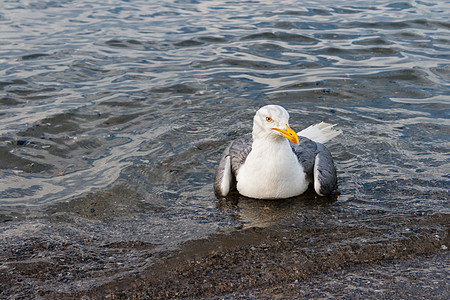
{"x": 320, "y": 133}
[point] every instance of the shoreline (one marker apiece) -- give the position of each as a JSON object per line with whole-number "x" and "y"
{"x": 282, "y": 262}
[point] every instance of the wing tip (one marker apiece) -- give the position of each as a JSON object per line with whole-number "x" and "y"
{"x": 222, "y": 178}
{"x": 325, "y": 179}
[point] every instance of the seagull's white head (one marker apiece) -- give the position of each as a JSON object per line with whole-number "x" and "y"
{"x": 272, "y": 122}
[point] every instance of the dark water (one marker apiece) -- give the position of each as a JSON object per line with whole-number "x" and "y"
{"x": 113, "y": 117}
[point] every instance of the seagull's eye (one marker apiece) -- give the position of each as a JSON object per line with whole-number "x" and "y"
{"x": 268, "y": 119}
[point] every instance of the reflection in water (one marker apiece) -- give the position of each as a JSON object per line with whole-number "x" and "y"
{"x": 113, "y": 117}
{"x": 263, "y": 213}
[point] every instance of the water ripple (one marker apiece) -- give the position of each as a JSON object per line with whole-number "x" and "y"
{"x": 114, "y": 116}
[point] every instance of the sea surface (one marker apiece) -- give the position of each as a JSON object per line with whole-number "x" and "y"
{"x": 113, "y": 116}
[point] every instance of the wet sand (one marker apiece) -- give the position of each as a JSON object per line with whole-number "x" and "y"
{"x": 264, "y": 263}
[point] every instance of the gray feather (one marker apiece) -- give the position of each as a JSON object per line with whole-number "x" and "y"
{"x": 237, "y": 153}
{"x": 317, "y": 163}
{"x": 325, "y": 179}
{"x": 305, "y": 151}
{"x": 239, "y": 150}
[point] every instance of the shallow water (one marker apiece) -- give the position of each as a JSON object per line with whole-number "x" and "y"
{"x": 113, "y": 117}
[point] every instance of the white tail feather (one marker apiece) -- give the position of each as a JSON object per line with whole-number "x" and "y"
{"x": 320, "y": 133}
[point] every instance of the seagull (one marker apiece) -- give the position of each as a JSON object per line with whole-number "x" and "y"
{"x": 274, "y": 162}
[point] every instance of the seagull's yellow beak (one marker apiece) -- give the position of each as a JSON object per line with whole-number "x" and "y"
{"x": 288, "y": 133}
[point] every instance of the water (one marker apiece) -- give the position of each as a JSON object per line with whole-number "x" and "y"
{"x": 113, "y": 117}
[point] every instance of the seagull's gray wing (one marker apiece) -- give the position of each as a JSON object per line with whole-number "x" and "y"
{"x": 325, "y": 179}
{"x": 232, "y": 159}
{"x": 305, "y": 151}
{"x": 318, "y": 165}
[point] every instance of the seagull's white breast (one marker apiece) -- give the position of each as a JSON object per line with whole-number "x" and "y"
{"x": 271, "y": 171}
